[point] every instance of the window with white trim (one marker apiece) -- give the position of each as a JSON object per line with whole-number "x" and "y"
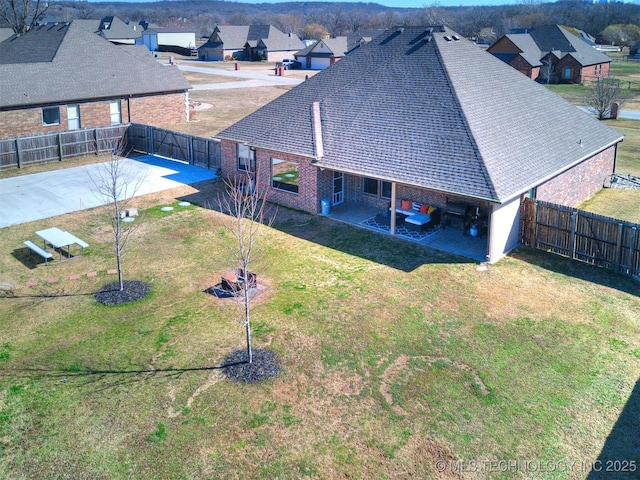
{"x": 246, "y": 158}
{"x": 73, "y": 117}
{"x": 115, "y": 112}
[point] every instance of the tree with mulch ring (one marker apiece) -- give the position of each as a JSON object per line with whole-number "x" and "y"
{"x": 265, "y": 366}
{"x": 132, "y": 291}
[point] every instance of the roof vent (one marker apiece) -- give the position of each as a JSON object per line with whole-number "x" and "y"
{"x": 447, "y": 38}
{"x": 455, "y": 38}
{"x": 399, "y": 29}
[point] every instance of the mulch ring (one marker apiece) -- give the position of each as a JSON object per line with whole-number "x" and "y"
{"x": 265, "y": 366}
{"x": 112, "y": 295}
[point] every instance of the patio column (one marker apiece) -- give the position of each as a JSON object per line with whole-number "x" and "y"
{"x": 393, "y": 208}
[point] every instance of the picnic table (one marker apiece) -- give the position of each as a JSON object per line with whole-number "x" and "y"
{"x": 60, "y": 239}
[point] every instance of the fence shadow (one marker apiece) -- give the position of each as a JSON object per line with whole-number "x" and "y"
{"x": 582, "y": 271}
{"x": 620, "y": 455}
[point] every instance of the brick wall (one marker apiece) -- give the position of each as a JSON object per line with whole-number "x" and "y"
{"x": 156, "y": 110}
{"x": 307, "y": 198}
{"x": 580, "y": 182}
{"x": 524, "y": 67}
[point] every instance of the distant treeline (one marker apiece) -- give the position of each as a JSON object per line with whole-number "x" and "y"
{"x": 483, "y": 23}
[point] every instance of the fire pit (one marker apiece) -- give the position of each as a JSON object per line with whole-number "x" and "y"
{"x": 234, "y": 281}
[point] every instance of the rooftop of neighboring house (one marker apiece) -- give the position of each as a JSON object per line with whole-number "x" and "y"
{"x": 64, "y": 62}
{"x": 425, "y": 107}
{"x": 235, "y": 37}
{"x": 111, "y": 28}
{"x": 536, "y": 43}
{"x": 340, "y": 46}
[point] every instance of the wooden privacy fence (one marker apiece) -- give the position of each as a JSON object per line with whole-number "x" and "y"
{"x": 199, "y": 151}
{"x": 24, "y": 151}
{"x": 588, "y": 237}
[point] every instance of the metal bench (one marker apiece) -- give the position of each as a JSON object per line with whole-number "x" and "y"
{"x": 40, "y": 251}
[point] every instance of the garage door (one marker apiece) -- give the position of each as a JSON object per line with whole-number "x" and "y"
{"x": 319, "y": 63}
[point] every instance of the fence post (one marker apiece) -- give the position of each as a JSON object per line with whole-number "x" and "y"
{"x": 60, "y": 151}
{"x": 574, "y": 226}
{"x": 150, "y": 137}
{"x": 18, "y": 159}
{"x": 95, "y": 139}
{"x": 619, "y": 248}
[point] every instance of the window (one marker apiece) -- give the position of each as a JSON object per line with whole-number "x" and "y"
{"x": 284, "y": 175}
{"x": 73, "y": 117}
{"x": 51, "y": 116}
{"x": 246, "y": 158}
{"x": 379, "y": 188}
{"x": 114, "y": 109}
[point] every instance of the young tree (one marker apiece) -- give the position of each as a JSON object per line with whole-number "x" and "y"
{"x": 547, "y": 70}
{"x": 248, "y": 211}
{"x": 602, "y": 94}
{"x": 22, "y": 15}
{"x": 117, "y": 183}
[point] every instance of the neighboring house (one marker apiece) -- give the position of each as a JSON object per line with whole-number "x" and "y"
{"x": 176, "y": 40}
{"x": 326, "y": 52}
{"x": 113, "y": 29}
{"x": 551, "y": 53}
{"x": 62, "y": 77}
{"x": 249, "y": 42}
{"x": 425, "y": 115}
{"x": 5, "y": 33}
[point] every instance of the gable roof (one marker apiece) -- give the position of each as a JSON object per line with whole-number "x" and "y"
{"x": 42, "y": 66}
{"x": 419, "y": 108}
{"x": 235, "y": 37}
{"x": 538, "y": 43}
{"x": 278, "y": 41}
{"x": 111, "y": 28}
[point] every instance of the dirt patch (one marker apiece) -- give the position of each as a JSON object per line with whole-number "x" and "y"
{"x": 401, "y": 363}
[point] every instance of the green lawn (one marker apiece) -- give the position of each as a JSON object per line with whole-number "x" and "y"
{"x": 394, "y": 357}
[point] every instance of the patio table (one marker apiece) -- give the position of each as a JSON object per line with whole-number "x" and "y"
{"x": 59, "y": 239}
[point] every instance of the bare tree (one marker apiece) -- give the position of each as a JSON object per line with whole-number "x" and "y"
{"x": 22, "y": 15}
{"x": 117, "y": 183}
{"x": 602, "y": 94}
{"x": 547, "y": 70}
{"x": 248, "y": 211}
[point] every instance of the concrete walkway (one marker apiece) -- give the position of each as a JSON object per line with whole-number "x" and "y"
{"x": 249, "y": 79}
{"x": 26, "y": 198}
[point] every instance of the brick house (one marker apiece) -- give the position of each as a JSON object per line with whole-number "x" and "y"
{"x": 249, "y": 42}
{"x": 59, "y": 77}
{"x": 328, "y": 51}
{"x": 552, "y": 53}
{"x": 414, "y": 115}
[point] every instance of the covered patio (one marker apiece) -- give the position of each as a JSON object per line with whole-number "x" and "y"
{"x": 449, "y": 239}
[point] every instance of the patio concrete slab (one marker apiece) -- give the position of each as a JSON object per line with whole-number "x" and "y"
{"x": 27, "y": 198}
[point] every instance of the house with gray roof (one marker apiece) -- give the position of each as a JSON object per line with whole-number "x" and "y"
{"x": 59, "y": 77}
{"x": 328, "y": 51}
{"x": 113, "y": 29}
{"x": 249, "y": 42}
{"x": 414, "y": 116}
{"x": 552, "y": 54}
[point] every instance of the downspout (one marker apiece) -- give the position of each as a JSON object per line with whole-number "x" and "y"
{"x": 393, "y": 208}
{"x": 129, "y": 109}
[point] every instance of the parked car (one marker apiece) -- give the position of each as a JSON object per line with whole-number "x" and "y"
{"x": 291, "y": 64}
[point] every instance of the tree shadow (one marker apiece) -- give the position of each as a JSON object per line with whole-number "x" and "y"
{"x": 620, "y": 455}
{"x": 106, "y": 379}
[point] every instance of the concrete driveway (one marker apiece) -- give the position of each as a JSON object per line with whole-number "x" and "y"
{"x": 42, "y": 195}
